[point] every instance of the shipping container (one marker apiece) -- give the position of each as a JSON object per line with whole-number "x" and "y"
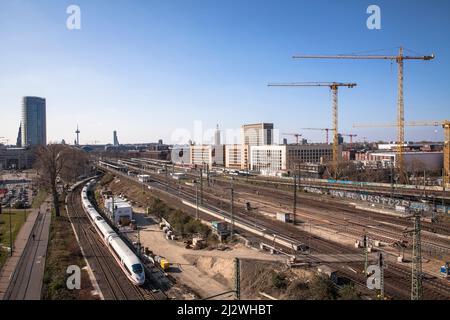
{"x": 284, "y": 217}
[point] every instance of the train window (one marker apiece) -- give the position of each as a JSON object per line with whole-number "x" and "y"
{"x": 137, "y": 268}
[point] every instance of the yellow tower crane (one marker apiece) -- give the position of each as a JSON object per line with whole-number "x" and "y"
{"x": 445, "y": 124}
{"x": 334, "y": 92}
{"x": 400, "y": 58}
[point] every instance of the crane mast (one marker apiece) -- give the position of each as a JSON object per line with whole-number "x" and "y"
{"x": 400, "y": 58}
{"x": 334, "y": 93}
{"x": 445, "y": 125}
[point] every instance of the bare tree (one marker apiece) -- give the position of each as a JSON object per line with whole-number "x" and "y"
{"x": 57, "y": 162}
{"x": 76, "y": 165}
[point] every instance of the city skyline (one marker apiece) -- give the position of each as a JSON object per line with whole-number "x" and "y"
{"x": 167, "y": 82}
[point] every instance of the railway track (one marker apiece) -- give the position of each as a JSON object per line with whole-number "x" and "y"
{"x": 20, "y": 280}
{"x": 392, "y": 227}
{"x": 111, "y": 280}
{"x": 354, "y": 222}
{"x": 394, "y": 288}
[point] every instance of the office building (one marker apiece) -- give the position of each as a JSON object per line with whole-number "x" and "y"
{"x": 16, "y": 158}
{"x": 414, "y": 161}
{"x": 279, "y": 159}
{"x": 236, "y": 156}
{"x": 217, "y": 136}
{"x": 210, "y": 155}
{"x": 33, "y": 123}
{"x": 258, "y": 134}
{"x": 181, "y": 154}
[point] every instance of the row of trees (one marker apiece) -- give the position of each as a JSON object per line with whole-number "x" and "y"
{"x": 59, "y": 163}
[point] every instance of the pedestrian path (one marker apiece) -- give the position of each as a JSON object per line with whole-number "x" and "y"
{"x": 33, "y": 252}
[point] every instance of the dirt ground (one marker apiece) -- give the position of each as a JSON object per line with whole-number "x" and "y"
{"x": 207, "y": 272}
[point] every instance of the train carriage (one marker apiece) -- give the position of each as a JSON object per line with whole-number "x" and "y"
{"x": 125, "y": 257}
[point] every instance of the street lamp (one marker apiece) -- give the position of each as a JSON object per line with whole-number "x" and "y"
{"x": 10, "y": 232}
{"x": 196, "y": 199}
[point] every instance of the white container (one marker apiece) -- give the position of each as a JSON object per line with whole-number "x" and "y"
{"x": 376, "y": 243}
{"x": 284, "y": 217}
{"x": 400, "y": 259}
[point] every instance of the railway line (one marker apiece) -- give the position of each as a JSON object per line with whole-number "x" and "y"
{"x": 113, "y": 284}
{"x": 21, "y": 280}
{"x": 401, "y": 278}
{"x": 342, "y": 214}
{"x": 411, "y": 191}
{"x": 340, "y": 217}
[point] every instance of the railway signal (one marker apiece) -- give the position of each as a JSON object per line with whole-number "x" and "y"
{"x": 366, "y": 253}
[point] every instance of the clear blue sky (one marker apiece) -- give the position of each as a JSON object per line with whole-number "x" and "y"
{"x": 146, "y": 68}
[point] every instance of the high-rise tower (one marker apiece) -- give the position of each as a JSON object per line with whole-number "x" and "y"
{"x": 115, "y": 140}
{"x": 217, "y": 136}
{"x": 78, "y": 136}
{"x": 33, "y": 124}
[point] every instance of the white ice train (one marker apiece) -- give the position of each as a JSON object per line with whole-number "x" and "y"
{"x": 125, "y": 257}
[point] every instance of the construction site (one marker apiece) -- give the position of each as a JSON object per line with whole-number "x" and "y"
{"x": 225, "y": 157}
{"x": 263, "y": 220}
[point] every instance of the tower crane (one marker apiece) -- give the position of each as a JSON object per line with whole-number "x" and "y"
{"x": 444, "y": 123}
{"x": 400, "y": 58}
{"x": 334, "y": 92}
{"x": 296, "y": 135}
{"x": 351, "y": 136}
{"x": 327, "y": 130}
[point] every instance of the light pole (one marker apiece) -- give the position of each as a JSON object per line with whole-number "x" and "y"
{"x": 138, "y": 240}
{"x": 196, "y": 199}
{"x": 10, "y": 232}
{"x": 232, "y": 209}
{"x": 250, "y": 209}
{"x": 201, "y": 185}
